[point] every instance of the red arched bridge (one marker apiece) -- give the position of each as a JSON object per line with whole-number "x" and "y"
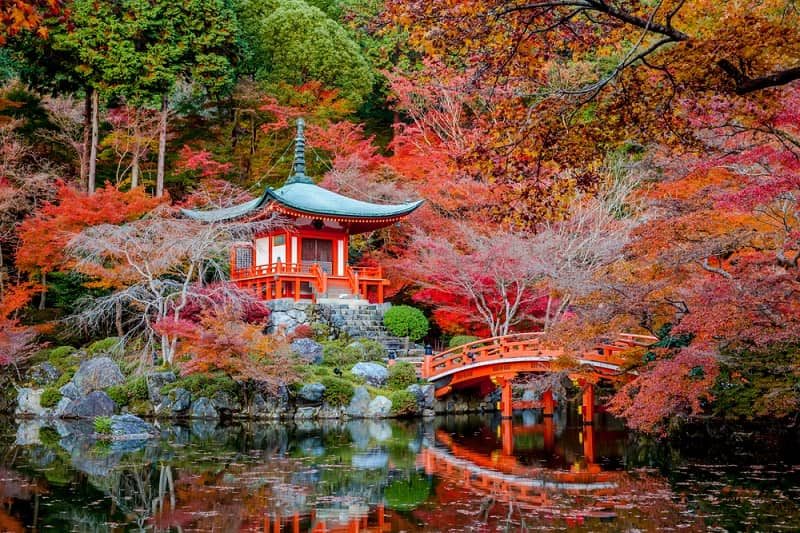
{"x": 488, "y": 363}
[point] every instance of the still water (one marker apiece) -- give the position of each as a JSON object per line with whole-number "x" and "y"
{"x": 461, "y": 473}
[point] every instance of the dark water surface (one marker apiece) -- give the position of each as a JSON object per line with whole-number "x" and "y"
{"x": 461, "y": 473}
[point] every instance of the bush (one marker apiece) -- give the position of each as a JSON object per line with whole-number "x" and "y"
{"x": 401, "y": 375}
{"x": 110, "y": 345}
{"x": 341, "y": 353}
{"x": 406, "y": 321}
{"x": 63, "y": 358}
{"x": 373, "y": 350}
{"x": 118, "y": 393}
{"x": 205, "y": 385}
{"x": 460, "y": 340}
{"x": 403, "y": 403}
{"x": 338, "y": 391}
{"x": 131, "y": 391}
{"x": 50, "y": 397}
{"x": 102, "y": 425}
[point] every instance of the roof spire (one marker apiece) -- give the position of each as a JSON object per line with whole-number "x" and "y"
{"x": 299, "y": 165}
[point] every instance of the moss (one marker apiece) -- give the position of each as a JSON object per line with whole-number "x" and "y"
{"x": 102, "y": 425}
{"x": 137, "y": 388}
{"x": 401, "y": 375}
{"x": 204, "y": 385}
{"x": 338, "y": 391}
{"x": 140, "y": 407}
{"x": 63, "y": 358}
{"x": 110, "y": 345}
{"x": 50, "y": 397}
{"x": 403, "y": 403}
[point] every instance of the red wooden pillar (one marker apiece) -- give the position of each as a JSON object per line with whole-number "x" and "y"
{"x": 296, "y": 289}
{"x": 506, "y": 410}
{"x": 549, "y": 434}
{"x": 507, "y": 436}
{"x": 548, "y": 403}
{"x": 587, "y": 409}
{"x": 278, "y": 289}
{"x": 588, "y": 443}
{"x": 381, "y": 518}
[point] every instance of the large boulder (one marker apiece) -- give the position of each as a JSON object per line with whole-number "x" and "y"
{"x": 155, "y": 381}
{"x": 306, "y": 413}
{"x": 311, "y": 392}
{"x": 177, "y": 401}
{"x": 97, "y": 374}
{"x": 225, "y": 403}
{"x": 373, "y": 373}
{"x": 423, "y": 394}
{"x": 359, "y": 403}
{"x": 70, "y": 391}
{"x": 270, "y": 404}
{"x": 92, "y": 405}
{"x": 43, "y": 374}
{"x": 380, "y": 407}
{"x": 308, "y": 350}
{"x": 29, "y": 402}
{"x": 204, "y": 409}
{"x": 131, "y": 427}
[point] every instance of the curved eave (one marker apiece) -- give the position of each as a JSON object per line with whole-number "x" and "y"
{"x": 361, "y": 221}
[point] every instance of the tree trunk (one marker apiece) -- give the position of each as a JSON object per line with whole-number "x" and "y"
{"x": 137, "y": 148}
{"x": 87, "y": 132}
{"x": 43, "y": 296}
{"x": 118, "y": 320}
{"x": 162, "y": 148}
{"x": 93, "y": 146}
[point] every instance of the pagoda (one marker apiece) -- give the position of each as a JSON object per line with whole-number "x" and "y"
{"x": 306, "y": 259}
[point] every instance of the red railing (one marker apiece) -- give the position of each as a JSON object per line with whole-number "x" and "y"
{"x": 320, "y": 278}
{"x": 269, "y": 270}
{"x": 485, "y": 351}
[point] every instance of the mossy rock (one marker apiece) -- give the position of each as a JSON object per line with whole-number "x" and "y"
{"x": 205, "y": 385}
{"x": 107, "y": 346}
{"x": 141, "y": 408}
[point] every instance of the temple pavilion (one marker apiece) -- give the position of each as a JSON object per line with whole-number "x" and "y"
{"x": 307, "y": 258}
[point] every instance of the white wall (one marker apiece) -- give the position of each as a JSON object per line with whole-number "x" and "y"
{"x": 262, "y": 251}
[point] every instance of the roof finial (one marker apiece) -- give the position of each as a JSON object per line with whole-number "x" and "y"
{"x": 299, "y": 165}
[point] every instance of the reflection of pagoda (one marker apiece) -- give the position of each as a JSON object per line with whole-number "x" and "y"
{"x": 307, "y": 258}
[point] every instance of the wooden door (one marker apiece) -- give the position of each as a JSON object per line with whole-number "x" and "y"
{"x": 318, "y": 251}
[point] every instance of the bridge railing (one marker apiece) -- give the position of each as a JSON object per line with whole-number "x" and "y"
{"x": 524, "y": 345}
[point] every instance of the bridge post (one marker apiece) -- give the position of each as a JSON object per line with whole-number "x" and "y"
{"x": 548, "y": 403}
{"x": 507, "y": 436}
{"x": 506, "y": 409}
{"x": 587, "y": 409}
{"x": 426, "y": 366}
{"x": 588, "y": 444}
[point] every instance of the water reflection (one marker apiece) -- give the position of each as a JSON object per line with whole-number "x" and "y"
{"x": 465, "y": 473}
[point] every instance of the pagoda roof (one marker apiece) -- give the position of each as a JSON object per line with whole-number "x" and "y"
{"x": 301, "y": 196}
{"x": 308, "y": 199}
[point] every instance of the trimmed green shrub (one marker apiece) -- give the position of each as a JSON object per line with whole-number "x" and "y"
{"x": 102, "y": 425}
{"x": 401, "y": 375}
{"x": 460, "y": 340}
{"x": 118, "y": 393}
{"x": 338, "y": 391}
{"x": 50, "y": 397}
{"x": 131, "y": 391}
{"x": 403, "y": 403}
{"x": 406, "y": 321}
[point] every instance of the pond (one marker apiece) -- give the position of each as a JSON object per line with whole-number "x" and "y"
{"x": 459, "y": 473}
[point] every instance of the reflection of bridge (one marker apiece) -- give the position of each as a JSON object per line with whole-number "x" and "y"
{"x": 354, "y": 520}
{"x": 502, "y": 475}
{"x": 498, "y": 360}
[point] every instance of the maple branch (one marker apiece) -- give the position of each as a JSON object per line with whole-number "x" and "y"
{"x": 744, "y": 84}
{"x": 715, "y": 270}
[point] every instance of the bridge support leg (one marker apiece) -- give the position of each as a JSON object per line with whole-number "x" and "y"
{"x": 588, "y": 444}
{"x": 587, "y": 409}
{"x": 506, "y": 410}
{"x": 507, "y": 436}
{"x": 548, "y": 403}
{"x": 549, "y": 434}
